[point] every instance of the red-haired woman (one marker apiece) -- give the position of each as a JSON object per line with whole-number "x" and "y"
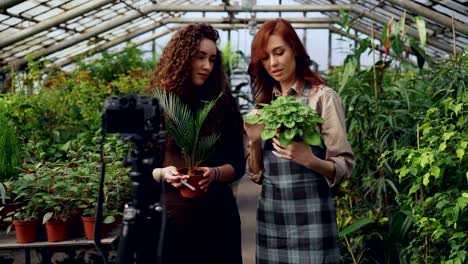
{"x": 205, "y": 229}
{"x": 296, "y": 220}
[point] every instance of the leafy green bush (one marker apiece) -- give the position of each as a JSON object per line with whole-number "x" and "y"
{"x": 436, "y": 174}
{"x": 111, "y": 65}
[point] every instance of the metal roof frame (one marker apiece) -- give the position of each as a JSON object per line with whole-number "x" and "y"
{"x": 61, "y": 30}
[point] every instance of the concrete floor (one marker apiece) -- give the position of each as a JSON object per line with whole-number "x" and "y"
{"x": 247, "y": 200}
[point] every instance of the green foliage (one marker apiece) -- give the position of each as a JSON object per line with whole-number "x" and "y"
{"x": 185, "y": 126}
{"x": 67, "y": 106}
{"x": 57, "y": 116}
{"x": 111, "y": 65}
{"x": 384, "y": 105}
{"x": 289, "y": 120}
{"x": 436, "y": 174}
{"x": 359, "y": 224}
{"x": 229, "y": 59}
{"x": 135, "y": 81}
{"x": 26, "y": 190}
{"x": 10, "y": 159}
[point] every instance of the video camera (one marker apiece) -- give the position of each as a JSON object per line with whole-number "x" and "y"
{"x": 132, "y": 114}
{"x": 137, "y": 118}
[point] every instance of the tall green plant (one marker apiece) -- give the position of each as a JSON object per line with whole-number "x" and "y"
{"x": 436, "y": 173}
{"x": 384, "y": 105}
{"x": 185, "y": 126}
{"x": 10, "y": 158}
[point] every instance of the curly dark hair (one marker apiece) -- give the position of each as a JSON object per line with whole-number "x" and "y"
{"x": 173, "y": 73}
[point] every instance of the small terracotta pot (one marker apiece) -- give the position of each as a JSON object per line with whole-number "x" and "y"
{"x": 26, "y": 232}
{"x": 57, "y": 230}
{"x": 88, "y": 225}
{"x": 193, "y": 180}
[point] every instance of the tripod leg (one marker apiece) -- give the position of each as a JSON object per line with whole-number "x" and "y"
{"x": 126, "y": 251}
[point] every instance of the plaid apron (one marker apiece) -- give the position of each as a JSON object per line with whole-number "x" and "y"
{"x": 296, "y": 222}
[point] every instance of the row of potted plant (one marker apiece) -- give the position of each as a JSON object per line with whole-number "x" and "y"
{"x": 58, "y": 193}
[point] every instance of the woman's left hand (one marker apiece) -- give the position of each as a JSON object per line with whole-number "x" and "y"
{"x": 298, "y": 152}
{"x": 209, "y": 177}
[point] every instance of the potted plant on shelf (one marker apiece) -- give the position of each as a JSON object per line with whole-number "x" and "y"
{"x": 59, "y": 199}
{"x": 25, "y": 219}
{"x": 288, "y": 120}
{"x": 184, "y": 126}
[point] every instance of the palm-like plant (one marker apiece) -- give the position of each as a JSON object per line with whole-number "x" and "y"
{"x": 184, "y": 126}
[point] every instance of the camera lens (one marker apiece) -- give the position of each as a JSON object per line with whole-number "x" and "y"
{"x": 127, "y": 102}
{"x": 123, "y": 102}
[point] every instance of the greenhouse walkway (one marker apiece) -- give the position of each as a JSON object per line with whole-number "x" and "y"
{"x": 247, "y": 199}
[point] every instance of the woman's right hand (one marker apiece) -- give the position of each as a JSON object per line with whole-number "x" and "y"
{"x": 253, "y": 131}
{"x": 170, "y": 175}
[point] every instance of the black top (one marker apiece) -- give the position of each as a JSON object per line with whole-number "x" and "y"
{"x": 207, "y": 229}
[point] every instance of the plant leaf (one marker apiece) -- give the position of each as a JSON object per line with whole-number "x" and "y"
{"x": 355, "y": 226}
{"x": 421, "y": 30}
{"x": 312, "y": 139}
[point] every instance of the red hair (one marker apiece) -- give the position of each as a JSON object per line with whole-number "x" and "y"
{"x": 262, "y": 82}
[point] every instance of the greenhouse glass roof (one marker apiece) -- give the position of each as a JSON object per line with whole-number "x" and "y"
{"x": 61, "y": 30}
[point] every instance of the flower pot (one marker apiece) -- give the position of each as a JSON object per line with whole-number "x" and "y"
{"x": 57, "y": 230}
{"x": 197, "y": 175}
{"x": 89, "y": 223}
{"x": 26, "y": 232}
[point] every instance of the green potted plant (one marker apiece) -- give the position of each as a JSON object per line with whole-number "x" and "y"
{"x": 59, "y": 198}
{"x": 25, "y": 219}
{"x": 288, "y": 120}
{"x": 184, "y": 126}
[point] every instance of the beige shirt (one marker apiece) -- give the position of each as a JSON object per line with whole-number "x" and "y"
{"x": 333, "y": 130}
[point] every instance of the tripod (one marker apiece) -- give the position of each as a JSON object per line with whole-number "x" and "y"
{"x": 143, "y": 216}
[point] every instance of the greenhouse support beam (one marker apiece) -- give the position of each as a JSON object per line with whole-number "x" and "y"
{"x": 255, "y": 8}
{"x": 428, "y": 13}
{"x": 5, "y": 4}
{"x": 8, "y": 38}
{"x": 410, "y": 31}
{"x": 134, "y": 34}
{"x": 115, "y": 42}
{"x": 114, "y": 23}
{"x": 247, "y": 20}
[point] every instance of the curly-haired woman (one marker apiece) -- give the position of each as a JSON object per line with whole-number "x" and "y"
{"x": 205, "y": 229}
{"x": 296, "y": 220}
